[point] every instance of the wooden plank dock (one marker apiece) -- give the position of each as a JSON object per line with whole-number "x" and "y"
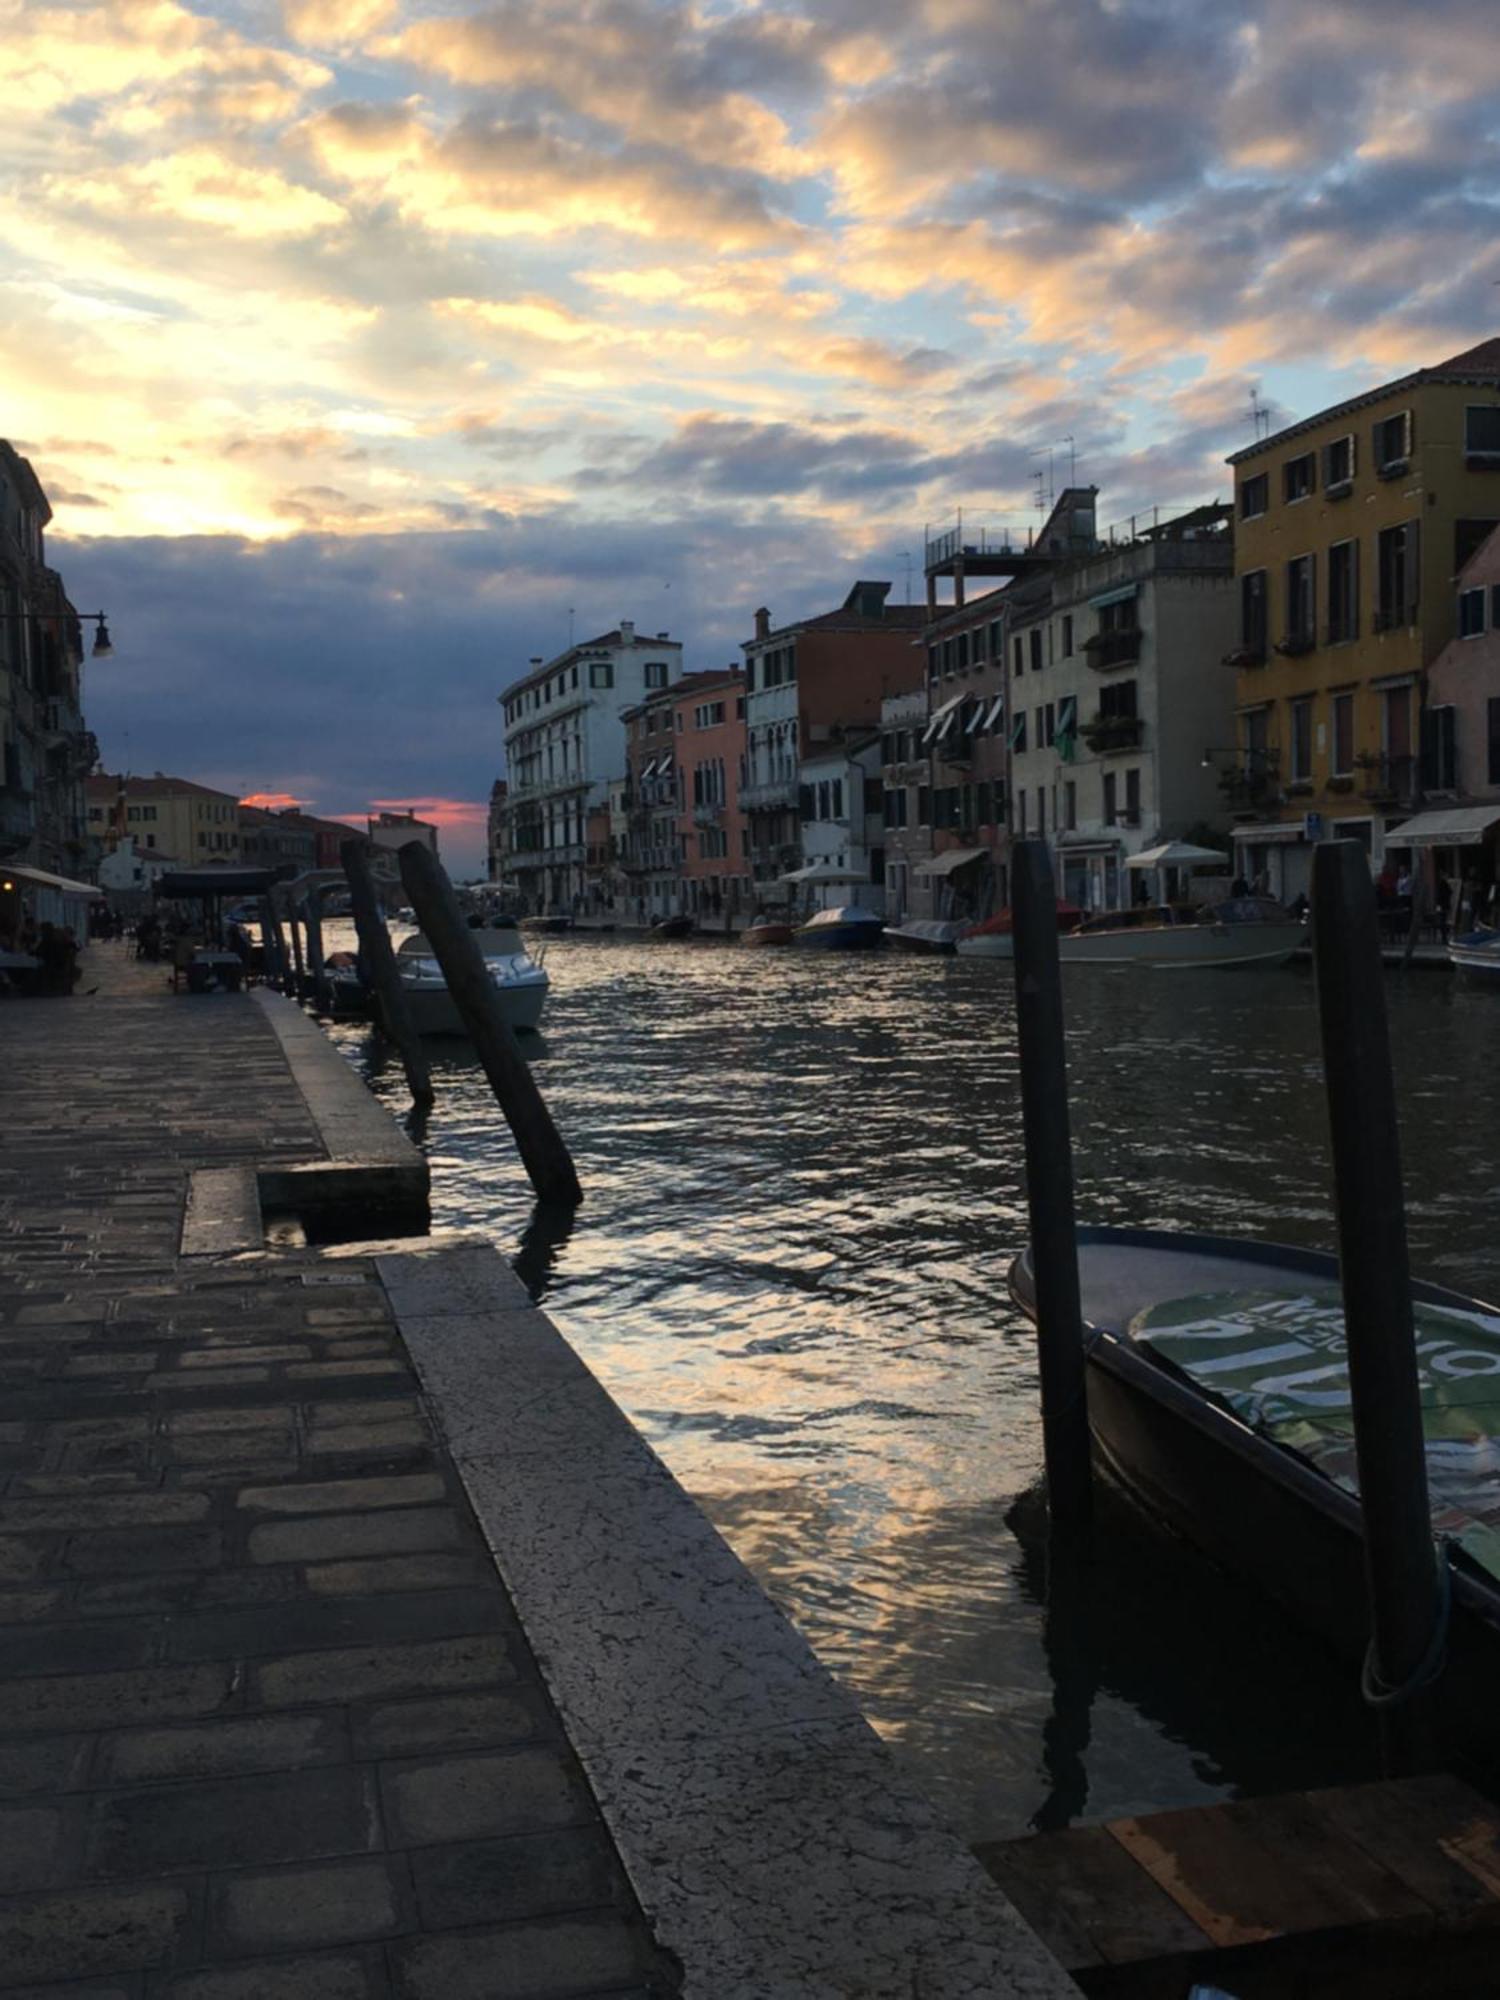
{"x": 1383, "y": 1891}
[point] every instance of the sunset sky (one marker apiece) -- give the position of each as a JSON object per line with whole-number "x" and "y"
{"x": 359, "y": 345}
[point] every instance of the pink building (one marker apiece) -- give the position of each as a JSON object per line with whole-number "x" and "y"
{"x": 709, "y": 722}
{"x": 1460, "y": 821}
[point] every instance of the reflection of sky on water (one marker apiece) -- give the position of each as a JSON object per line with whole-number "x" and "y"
{"x": 803, "y": 1190}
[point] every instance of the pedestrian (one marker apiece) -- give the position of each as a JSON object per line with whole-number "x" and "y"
{"x": 1444, "y": 894}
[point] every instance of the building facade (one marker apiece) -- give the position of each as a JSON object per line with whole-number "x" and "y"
{"x": 709, "y": 719}
{"x": 807, "y": 685}
{"x": 564, "y": 742}
{"x": 653, "y": 855}
{"x": 277, "y": 840}
{"x": 46, "y": 751}
{"x": 1461, "y": 743}
{"x": 905, "y": 812}
{"x": 1117, "y": 696}
{"x": 192, "y": 821}
{"x": 392, "y": 830}
{"x": 496, "y": 825}
{"x": 963, "y": 800}
{"x": 1351, "y": 528}
{"x": 841, "y": 806}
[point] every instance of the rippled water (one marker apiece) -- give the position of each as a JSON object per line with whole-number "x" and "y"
{"x": 803, "y": 1181}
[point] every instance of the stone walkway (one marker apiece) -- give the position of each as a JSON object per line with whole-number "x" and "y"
{"x": 269, "y": 1725}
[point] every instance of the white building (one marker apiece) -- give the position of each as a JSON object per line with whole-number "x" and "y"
{"x": 843, "y": 831}
{"x": 1117, "y": 689}
{"x": 564, "y": 743}
{"x": 128, "y": 873}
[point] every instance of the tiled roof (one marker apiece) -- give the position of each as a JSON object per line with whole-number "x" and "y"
{"x": 103, "y": 786}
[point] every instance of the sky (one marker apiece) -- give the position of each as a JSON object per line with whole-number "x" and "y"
{"x": 367, "y": 350}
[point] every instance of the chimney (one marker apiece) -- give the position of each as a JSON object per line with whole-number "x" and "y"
{"x": 663, "y": 635}
{"x": 535, "y": 660}
{"x": 627, "y": 632}
{"x": 762, "y": 623}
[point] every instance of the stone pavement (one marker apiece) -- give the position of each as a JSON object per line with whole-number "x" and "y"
{"x": 269, "y": 1724}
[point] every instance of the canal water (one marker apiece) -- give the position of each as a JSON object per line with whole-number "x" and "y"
{"x": 803, "y": 1182}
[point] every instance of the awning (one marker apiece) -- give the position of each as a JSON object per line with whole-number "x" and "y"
{"x": 647, "y": 770}
{"x": 949, "y": 863}
{"x": 940, "y": 720}
{"x": 995, "y": 709}
{"x": 1119, "y": 596}
{"x": 975, "y": 719}
{"x": 825, "y": 871}
{"x": 40, "y": 879}
{"x": 1276, "y": 829}
{"x": 1178, "y": 854}
{"x": 1461, "y": 826}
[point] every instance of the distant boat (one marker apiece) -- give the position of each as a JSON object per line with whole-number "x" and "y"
{"x": 553, "y": 926}
{"x": 846, "y": 927}
{"x": 1477, "y": 953}
{"x": 519, "y": 980}
{"x": 672, "y": 927}
{"x": 1243, "y": 931}
{"x": 926, "y": 934}
{"x": 767, "y": 930}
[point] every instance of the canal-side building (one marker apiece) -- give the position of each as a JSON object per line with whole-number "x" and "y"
{"x": 709, "y": 720}
{"x": 807, "y": 685}
{"x": 1351, "y": 528}
{"x": 391, "y": 831}
{"x": 192, "y": 821}
{"x": 841, "y": 813}
{"x": 1118, "y": 695}
{"x": 905, "y": 812}
{"x": 564, "y": 742}
{"x": 46, "y": 751}
{"x": 276, "y": 840}
{"x": 496, "y": 851}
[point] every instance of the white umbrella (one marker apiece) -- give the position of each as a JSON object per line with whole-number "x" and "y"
{"x": 1178, "y": 854}
{"x": 825, "y": 871}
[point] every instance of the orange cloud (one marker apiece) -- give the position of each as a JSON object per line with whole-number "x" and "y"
{"x": 459, "y": 814}
{"x": 272, "y": 801}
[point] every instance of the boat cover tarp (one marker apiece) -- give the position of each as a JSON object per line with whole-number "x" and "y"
{"x": 956, "y": 857}
{"x": 62, "y": 884}
{"x": 1278, "y": 1360}
{"x": 1460, "y": 826}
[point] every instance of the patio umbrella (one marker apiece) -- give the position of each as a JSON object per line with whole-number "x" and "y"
{"x": 1178, "y": 854}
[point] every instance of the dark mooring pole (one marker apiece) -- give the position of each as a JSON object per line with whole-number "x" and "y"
{"x": 1049, "y": 1187}
{"x": 380, "y": 964}
{"x": 1401, "y": 1564}
{"x": 543, "y": 1153}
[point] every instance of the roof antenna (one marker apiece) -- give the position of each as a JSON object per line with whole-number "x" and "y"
{"x": 1072, "y": 459}
{"x": 1260, "y": 416}
{"x": 570, "y": 628}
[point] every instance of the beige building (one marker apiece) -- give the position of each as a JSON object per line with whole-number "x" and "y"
{"x": 392, "y": 830}
{"x": 192, "y": 821}
{"x": 1351, "y": 528}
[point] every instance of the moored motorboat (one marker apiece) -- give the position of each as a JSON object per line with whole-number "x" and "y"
{"x": 846, "y": 927}
{"x": 555, "y": 925}
{"x": 672, "y": 927}
{"x": 1477, "y": 952}
{"x": 519, "y": 979}
{"x": 1218, "y": 1396}
{"x": 1242, "y": 931}
{"x": 992, "y": 937}
{"x": 926, "y": 934}
{"x": 767, "y": 930}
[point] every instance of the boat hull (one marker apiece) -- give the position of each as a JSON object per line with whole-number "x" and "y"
{"x": 1185, "y": 945}
{"x": 935, "y": 937}
{"x": 672, "y": 927}
{"x": 842, "y": 937}
{"x": 1252, "y": 1505}
{"x": 989, "y": 944}
{"x": 1478, "y": 954}
{"x": 767, "y": 934}
{"x": 434, "y": 1012}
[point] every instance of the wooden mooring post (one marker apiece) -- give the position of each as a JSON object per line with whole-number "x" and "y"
{"x": 546, "y": 1158}
{"x": 1049, "y": 1188}
{"x": 298, "y": 974}
{"x": 375, "y": 946}
{"x": 312, "y": 910}
{"x": 1402, "y": 1566}
{"x": 277, "y": 966}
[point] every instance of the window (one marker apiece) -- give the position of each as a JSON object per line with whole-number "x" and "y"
{"x": 1470, "y": 614}
{"x": 1111, "y": 816}
{"x": 1050, "y": 719}
{"x": 1492, "y": 760}
{"x": 995, "y": 643}
{"x": 1041, "y": 809}
{"x": 837, "y": 791}
{"x": 1020, "y": 658}
{"x": 1392, "y": 439}
{"x": 601, "y": 674}
{"x": 1482, "y": 430}
{"x": 1255, "y": 496}
{"x": 656, "y": 673}
{"x": 1440, "y": 749}
{"x": 1396, "y": 723}
{"x": 1067, "y": 636}
{"x": 1397, "y": 553}
{"x": 1070, "y": 805}
{"x": 1253, "y": 631}
{"x": 1301, "y": 741}
{"x": 1343, "y": 736}
{"x": 1021, "y": 797}
{"x": 1301, "y": 605}
{"x": 924, "y": 805}
{"x": 1036, "y": 649}
{"x": 1040, "y": 738}
{"x": 1297, "y": 477}
{"x": 1338, "y": 464}
{"x": 1018, "y": 735}
{"x": 893, "y": 808}
{"x": 1468, "y": 538}
{"x": 1117, "y": 699}
{"x": 1133, "y": 797}
{"x": 1343, "y": 592}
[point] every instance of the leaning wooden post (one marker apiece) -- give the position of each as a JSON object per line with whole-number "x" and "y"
{"x": 546, "y": 1158}
{"x": 380, "y": 964}
{"x": 1049, "y": 1187}
{"x": 297, "y": 973}
{"x": 1402, "y": 1569}
{"x": 312, "y": 907}
{"x": 271, "y": 956}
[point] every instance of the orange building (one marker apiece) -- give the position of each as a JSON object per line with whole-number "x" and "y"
{"x": 709, "y": 723}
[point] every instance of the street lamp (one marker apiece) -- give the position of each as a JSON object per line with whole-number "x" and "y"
{"x": 103, "y": 646}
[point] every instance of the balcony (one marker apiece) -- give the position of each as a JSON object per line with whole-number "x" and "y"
{"x": 1108, "y": 734}
{"x": 1244, "y": 657}
{"x": 1391, "y": 780}
{"x": 1120, "y": 648}
{"x": 1250, "y": 787}
{"x": 772, "y": 797}
{"x": 708, "y": 815}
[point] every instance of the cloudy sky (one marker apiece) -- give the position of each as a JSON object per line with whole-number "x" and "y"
{"x": 364, "y": 344}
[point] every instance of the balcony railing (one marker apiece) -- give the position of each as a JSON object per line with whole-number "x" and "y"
{"x": 768, "y": 797}
{"x": 1247, "y": 656}
{"x": 1295, "y": 644}
{"x": 1386, "y": 777}
{"x": 1105, "y": 734}
{"x": 707, "y": 815}
{"x": 1120, "y": 648}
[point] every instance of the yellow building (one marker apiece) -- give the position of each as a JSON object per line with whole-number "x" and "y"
{"x": 1350, "y": 530}
{"x": 173, "y": 816}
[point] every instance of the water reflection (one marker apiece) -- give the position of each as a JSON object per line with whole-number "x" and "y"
{"x": 802, "y": 1188}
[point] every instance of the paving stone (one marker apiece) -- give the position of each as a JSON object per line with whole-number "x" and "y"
{"x": 22, "y": 1556}
{"x": 431, "y": 1571}
{"x": 332, "y": 1978}
{"x": 95, "y": 1701}
{"x": 92, "y": 1931}
{"x": 243, "y": 1355}
{"x": 208, "y": 1378}
{"x": 468, "y": 1798}
{"x": 30, "y": 1839}
{"x": 228, "y": 1448}
{"x": 347, "y": 1440}
{"x": 321, "y": 1371}
{"x": 538, "y": 1961}
{"x": 116, "y": 1362}
{"x": 69, "y": 1429}
{"x": 71, "y": 1649}
{"x": 237, "y": 1745}
{"x": 39, "y": 1485}
{"x": 528, "y": 1875}
{"x": 331, "y": 1536}
{"x": 234, "y": 1822}
{"x": 275, "y": 1417}
{"x": 21, "y": 1607}
{"x": 359, "y": 1350}
{"x": 184, "y": 1590}
{"x": 292, "y": 1909}
{"x": 488, "y": 1721}
{"x": 144, "y": 1549}
{"x": 333, "y": 1496}
{"x": 362, "y": 1673}
{"x": 311, "y": 1622}
{"x": 106, "y": 1510}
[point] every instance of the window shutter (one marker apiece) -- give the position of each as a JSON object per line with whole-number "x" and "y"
{"x": 1325, "y": 460}
{"x": 804, "y": 802}
{"x": 1413, "y": 569}
{"x": 1353, "y": 453}
{"x": 1377, "y": 456}
{"x": 1353, "y": 607}
{"x": 1408, "y": 433}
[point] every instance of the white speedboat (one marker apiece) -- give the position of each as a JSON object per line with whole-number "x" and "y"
{"x": 992, "y": 937}
{"x": 845, "y": 928}
{"x": 1477, "y": 952}
{"x": 520, "y": 980}
{"x": 1244, "y": 931}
